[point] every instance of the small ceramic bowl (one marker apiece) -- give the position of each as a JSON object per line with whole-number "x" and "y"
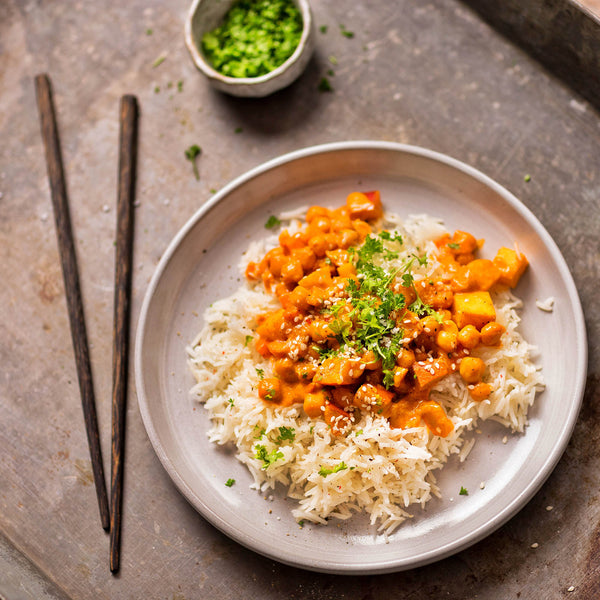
{"x": 205, "y": 15}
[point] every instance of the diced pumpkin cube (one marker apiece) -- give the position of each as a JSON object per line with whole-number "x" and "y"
{"x": 338, "y": 371}
{"x": 473, "y": 308}
{"x": 365, "y": 206}
{"x": 511, "y": 264}
{"x": 319, "y": 278}
{"x": 482, "y": 274}
{"x": 428, "y": 373}
{"x": 314, "y": 402}
{"x": 274, "y": 326}
{"x": 336, "y": 418}
{"x": 374, "y": 398}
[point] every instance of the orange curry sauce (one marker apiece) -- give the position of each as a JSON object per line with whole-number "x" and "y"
{"x": 432, "y": 329}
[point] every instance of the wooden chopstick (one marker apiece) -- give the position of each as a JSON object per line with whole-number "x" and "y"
{"x": 123, "y": 268}
{"x": 68, "y": 259}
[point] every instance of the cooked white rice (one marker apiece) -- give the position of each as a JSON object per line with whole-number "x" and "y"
{"x": 386, "y": 470}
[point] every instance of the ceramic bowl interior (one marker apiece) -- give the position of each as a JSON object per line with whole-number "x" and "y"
{"x": 205, "y": 15}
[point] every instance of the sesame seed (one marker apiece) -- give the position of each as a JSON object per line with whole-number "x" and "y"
{"x": 535, "y": 545}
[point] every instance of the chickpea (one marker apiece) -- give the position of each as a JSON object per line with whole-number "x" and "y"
{"x": 322, "y": 224}
{"x": 306, "y": 256}
{"x": 471, "y": 369}
{"x": 316, "y": 211}
{"x": 430, "y": 325}
{"x": 318, "y": 244}
{"x": 446, "y": 340}
{"x": 276, "y": 261}
{"x": 292, "y": 271}
{"x": 466, "y": 242}
{"x": 468, "y": 337}
{"x": 347, "y": 238}
{"x": 405, "y": 358}
{"x": 491, "y": 333}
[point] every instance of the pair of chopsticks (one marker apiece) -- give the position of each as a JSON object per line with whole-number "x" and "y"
{"x": 110, "y": 518}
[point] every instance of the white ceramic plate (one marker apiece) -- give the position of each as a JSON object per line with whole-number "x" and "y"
{"x": 201, "y": 265}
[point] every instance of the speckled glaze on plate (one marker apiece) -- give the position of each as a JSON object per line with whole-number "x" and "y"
{"x": 201, "y": 265}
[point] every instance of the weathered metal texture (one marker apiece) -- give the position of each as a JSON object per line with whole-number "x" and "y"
{"x": 431, "y": 74}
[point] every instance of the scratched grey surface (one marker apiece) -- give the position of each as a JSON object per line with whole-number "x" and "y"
{"x": 430, "y": 74}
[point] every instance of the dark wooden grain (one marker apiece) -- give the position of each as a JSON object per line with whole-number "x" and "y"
{"x": 123, "y": 267}
{"x": 68, "y": 259}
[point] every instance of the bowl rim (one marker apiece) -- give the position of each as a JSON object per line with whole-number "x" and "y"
{"x": 202, "y": 63}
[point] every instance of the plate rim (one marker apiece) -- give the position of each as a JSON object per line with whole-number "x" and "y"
{"x": 457, "y": 544}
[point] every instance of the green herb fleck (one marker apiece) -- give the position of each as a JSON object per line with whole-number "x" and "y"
{"x": 248, "y": 339}
{"x": 212, "y": 191}
{"x": 272, "y": 222}
{"x": 159, "y": 61}
{"x": 268, "y": 458}
{"x": 286, "y": 433}
{"x": 254, "y": 38}
{"x": 345, "y": 32}
{"x": 230, "y": 482}
{"x": 191, "y": 154}
{"x": 180, "y": 86}
{"x": 330, "y": 72}
{"x": 453, "y": 245}
{"x": 149, "y": 31}
{"x": 463, "y": 491}
{"x": 231, "y": 403}
{"x": 260, "y": 373}
{"x": 323, "y": 29}
{"x": 261, "y": 433}
{"x": 238, "y": 130}
{"x": 156, "y": 89}
{"x": 527, "y": 178}
{"x": 323, "y": 472}
{"x": 333, "y": 60}
{"x": 324, "y": 85}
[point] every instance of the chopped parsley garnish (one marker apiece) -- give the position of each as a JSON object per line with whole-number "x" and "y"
{"x": 323, "y": 29}
{"x": 286, "y": 433}
{"x": 373, "y": 322}
{"x": 272, "y": 222}
{"x": 231, "y": 402}
{"x": 230, "y": 482}
{"x": 527, "y": 178}
{"x": 159, "y": 61}
{"x": 325, "y": 85}
{"x": 261, "y": 433}
{"x": 254, "y": 38}
{"x": 191, "y": 154}
{"x": 270, "y": 395}
{"x": 267, "y": 457}
{"x": 248, "y": 339}
{"x": 323, "y": 471}
{"x": 453, "y": 245}
{"x": 345, "y": 32}
{"x": 260, "y": 373}
{"x": 463, "y": 491}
